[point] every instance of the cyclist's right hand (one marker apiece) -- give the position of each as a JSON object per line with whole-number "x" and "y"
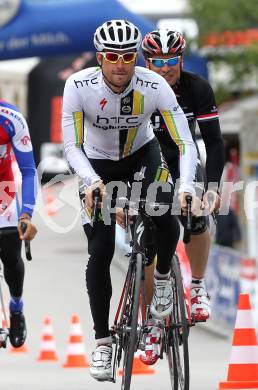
{"x": 196, "y": 204}
{"x": 88, "y": 194}
{"x": 30, "y": 231}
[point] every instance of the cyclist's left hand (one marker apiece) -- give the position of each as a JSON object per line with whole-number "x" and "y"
{"x": 211, "y": 201}
{"x": 31, "y": 230}
{"x": 120, "y": 217}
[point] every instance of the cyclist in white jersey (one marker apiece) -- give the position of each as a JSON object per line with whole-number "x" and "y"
{"x": 108, "y": 137}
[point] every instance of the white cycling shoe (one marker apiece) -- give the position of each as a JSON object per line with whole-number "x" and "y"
{"x": 162, "y": 301}
{"x": 101, "y": 363}
{"x": 200, "y": 303}
{"x": 152, "y": 343}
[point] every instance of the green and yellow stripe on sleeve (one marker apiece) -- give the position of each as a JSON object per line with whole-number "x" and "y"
{"x": 171, "y": 126}
{"x": 162, "y": 175}
{"x": 78, "y": 127}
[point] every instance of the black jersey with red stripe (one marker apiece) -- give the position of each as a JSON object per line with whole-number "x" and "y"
{"x": 195, "y": 96}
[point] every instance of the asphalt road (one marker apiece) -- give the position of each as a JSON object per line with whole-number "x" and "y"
{"x": 55, "y": 288}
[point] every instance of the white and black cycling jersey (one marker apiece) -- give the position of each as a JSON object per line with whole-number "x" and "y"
{"x": 100, "y": 124}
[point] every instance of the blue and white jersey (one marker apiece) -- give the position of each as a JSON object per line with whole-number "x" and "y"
{"x": 15, "y": 140}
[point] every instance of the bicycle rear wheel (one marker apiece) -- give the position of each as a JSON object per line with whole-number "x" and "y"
{"x": 177, "y": 338}
{"x": 132, "y": 323}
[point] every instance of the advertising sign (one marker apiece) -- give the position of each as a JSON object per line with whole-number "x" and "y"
{"x": 57, "y": 27}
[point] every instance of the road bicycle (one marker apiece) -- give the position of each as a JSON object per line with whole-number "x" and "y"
{"x": 130, "y": 328}
{"x": 4, "y": 321}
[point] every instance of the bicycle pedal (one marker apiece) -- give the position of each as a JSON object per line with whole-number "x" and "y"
{"x": 194, "y": 321}
{"x": 105, "y": 380}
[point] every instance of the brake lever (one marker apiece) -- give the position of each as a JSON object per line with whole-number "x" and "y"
{"x": 96, "y": 199}
{"x": 188, "y": 227}
{"x": 26, "y": 242}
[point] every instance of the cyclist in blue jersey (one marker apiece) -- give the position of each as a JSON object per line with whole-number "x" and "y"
{"x": 15, "y": 141}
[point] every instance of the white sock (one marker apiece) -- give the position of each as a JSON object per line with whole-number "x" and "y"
{"x": 104, "y": 341}
{"x": 161, "y": 276}
{"x": 195, "y": 283}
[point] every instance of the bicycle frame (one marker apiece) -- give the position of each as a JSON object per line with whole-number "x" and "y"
{"x": 129, "y": 327}
{"x": 119, "y": 329}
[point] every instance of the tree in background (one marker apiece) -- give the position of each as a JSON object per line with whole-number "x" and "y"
{"x": 236, "y": 23}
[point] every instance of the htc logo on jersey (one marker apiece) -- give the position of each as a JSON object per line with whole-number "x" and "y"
{"x": 144, "y": 83}
{"x": 82, "y": 83}
{"x": 116, "y": 122}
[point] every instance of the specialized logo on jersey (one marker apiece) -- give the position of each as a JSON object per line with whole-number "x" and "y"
{"x": 102, "y": 103}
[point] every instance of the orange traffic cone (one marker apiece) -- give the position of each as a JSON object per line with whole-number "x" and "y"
{"x": 243, "y": 365}
{"x": 48, "y": 347}
{"x": 76, "y": 356}
{"x": 21, "y": 349}
{"x": 139, "y": 368}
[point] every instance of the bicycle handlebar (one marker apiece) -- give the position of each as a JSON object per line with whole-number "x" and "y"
{"x": 126, "y": 203}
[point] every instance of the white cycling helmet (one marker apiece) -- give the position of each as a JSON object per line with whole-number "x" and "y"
{"x": 117, "y": 35}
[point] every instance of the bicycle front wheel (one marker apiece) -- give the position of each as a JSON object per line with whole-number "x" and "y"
{"x": 132, "y": 323}
{"x": 177, "y": 351}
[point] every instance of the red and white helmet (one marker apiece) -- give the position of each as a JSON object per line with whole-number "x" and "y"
{"x": 163, "y": 41}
